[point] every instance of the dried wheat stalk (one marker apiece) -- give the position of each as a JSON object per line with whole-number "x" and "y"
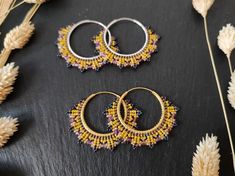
{"x": 202, "y": 7}
{"x": 16, "y": 39}
{"x": 35, "y": 1}
{"x": 226, "y": 42}
{"x": 8, "y": 126}
{"x": 8, "y": 76}
{"x": 22, "y": 2}
{"x": 5, "y": 5}
{"x": 231, "y": 91}
{"x": 207, "y": 158}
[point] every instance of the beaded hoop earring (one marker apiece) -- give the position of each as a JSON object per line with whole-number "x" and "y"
{"x": 72, "y": 58}
{"x": 146, "y": 137}
{"x": 88, "y": 136}
{"x": 125, "y": 60}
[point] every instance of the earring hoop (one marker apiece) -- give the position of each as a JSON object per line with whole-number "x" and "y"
{"x": 124, "y": 60}
{"x": 146, "y": 137}
{"x": 88, "y": 136}
{"x": 134, "y": 21}
{"x": 74, "y": 59}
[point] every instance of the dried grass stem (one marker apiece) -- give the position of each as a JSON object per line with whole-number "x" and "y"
{"x": 220, "y": 92}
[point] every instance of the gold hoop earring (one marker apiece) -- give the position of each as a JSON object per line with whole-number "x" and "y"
{"x": 146, "y": 137}
{"x": 88, "y": 136}
{"x": 125, "y": 60}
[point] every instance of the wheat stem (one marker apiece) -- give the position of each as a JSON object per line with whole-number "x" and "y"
{"x": 220, "y": 92}
{"x": 17, "y": 5}
{"x": 5, "y": 5}
{"x": 230, "y": 65}
{"x": 4, "y": 57}
{"x": 12, "y": 8}
{"x": 7, "y": 50}
{"x": 31, "y": 13}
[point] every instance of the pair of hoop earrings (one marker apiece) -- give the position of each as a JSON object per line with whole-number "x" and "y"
{"x": 108, "y": 51}
{"x": 123, "y": 129}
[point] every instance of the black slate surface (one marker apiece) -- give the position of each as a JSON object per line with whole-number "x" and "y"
{"x": 181, "y": 70}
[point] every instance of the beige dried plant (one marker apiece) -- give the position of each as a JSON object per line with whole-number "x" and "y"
{"x": 16, "y": 39}
{"x": 226, "y": 42}
{"x": 22, "y": 2}
{"x": 207, "y": 158}
{"x": 8, "y": 126}
{"x": 18, "y": 36}
{"x": 35, "y": 1}
{"x": 8, "y": 75}
{"x": 231, "y": 90}
{"x": 5, "y": 5}
{"x": 202, "y": 7}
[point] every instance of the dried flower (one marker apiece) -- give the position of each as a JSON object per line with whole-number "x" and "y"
{"x": 8, "y": 126}
{"x": 35, "y": 1}
{"x": 18, "y": 36}
{"x": 226, "y": 39}
{"x": 231, "y": 90}
{"x": 8, "y": 76}
{"x": 5, "y": 5}
{"x": 16, "y": 39}
{"x": 207, "y": 158}
{"x": 202, "y": 6}
{"x": 3, "y": 14}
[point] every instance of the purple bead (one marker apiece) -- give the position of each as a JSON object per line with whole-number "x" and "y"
{"x": 116, "y": 131}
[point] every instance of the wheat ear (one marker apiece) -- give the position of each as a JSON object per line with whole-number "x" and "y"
{"x": 8, "y": 126}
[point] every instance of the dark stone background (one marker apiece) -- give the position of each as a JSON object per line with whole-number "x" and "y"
{"x": 46, "y": 89}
